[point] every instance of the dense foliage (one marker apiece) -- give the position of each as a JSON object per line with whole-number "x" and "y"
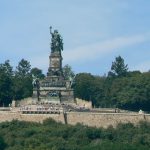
{"x": 16, "y": 84}
{"x": 6, "y": 83}
{"x": 118, "y": 68}
{"x": 67, "y": 72}
{"x": 120, "y": 88}
{"x": 17, "y": 135}
{"x": 129, "y": 92}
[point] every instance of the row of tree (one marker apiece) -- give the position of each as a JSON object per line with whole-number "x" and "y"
{"x": 120, "y": 88}
{"x": 16, "y": 84}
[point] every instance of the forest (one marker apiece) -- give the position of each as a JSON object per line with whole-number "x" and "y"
{"x": 119, "y": 88}
{"x": 20, "y": 135}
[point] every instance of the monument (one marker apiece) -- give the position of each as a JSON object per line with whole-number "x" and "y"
{"x": 54, "y": 88}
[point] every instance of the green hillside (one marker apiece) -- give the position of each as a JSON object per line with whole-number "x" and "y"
{"x": 20, "y": 135}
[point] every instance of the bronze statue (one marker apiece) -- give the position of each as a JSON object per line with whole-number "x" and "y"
{"x": 56, "y": 41}
{"x": 36, "y": 84}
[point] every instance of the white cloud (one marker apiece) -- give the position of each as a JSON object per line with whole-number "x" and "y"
{"x": 96, "y": 50}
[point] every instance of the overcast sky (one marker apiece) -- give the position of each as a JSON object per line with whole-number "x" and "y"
{"x": 94, "y": 32}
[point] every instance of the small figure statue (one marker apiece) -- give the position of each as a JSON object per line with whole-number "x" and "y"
{"x": 72, "y": 81}
{"x": 33, "y": 80}
{"x": 56, "y": 41}
{"x": 36, "y": 84}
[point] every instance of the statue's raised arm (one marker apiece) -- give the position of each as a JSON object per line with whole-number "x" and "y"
{"x": 56, "y": 41}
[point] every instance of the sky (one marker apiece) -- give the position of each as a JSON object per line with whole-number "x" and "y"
{"x": 94, "y": 33}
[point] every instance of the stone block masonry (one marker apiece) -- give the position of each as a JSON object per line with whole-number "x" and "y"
{"x": 104, "y": 119}
{"x": 9, "y": 116}
{"x": 85, "y": 118}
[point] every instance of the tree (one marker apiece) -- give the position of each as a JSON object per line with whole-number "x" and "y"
{"x": 82, "y": 85}
{"x": 6, "y": 83}
{"x": 118, "y": 68}
{"x": 68, "y": 73}
{"x": 93, "y": 88}
{"x": 7, "y": 68}
{"x": 37, "y": 73}
{"x": 23, "y": 68}
{"x": 22, "y": 80}
{"x": 130, "y": 92}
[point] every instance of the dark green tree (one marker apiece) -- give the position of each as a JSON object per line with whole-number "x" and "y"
{"x": 89, "y": 87}
{"x": 118, "y": 68}
{"x": 37, "y": 73}
{"x": 22, "y": 80}
{"x": 130, "y": 92}
{"x": 23, "y": 68}
{"x": 6, "y": 83}
{"x": 68, "y": 73}
{"x": 83, "y": 85}
{"x": 7, "y": 68}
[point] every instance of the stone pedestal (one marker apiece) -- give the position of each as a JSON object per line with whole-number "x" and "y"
{"x": 54, "y": 88}
{"x": 14, "y": 103}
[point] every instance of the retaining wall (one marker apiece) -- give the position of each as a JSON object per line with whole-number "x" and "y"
{"x": 85, "y": 118}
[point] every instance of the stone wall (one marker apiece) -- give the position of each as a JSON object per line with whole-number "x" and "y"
{"x": 9, "y": 116}
{"x": 85, "y": 118}
{"x": 104, "y": 119}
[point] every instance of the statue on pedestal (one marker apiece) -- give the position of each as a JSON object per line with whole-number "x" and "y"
{"x": 56, "y": 41}
{"x": 36, "y": 85}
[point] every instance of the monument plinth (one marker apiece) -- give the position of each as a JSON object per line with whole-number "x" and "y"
{"x": 54, "y": 88}
{"x": 55, "y": 64}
